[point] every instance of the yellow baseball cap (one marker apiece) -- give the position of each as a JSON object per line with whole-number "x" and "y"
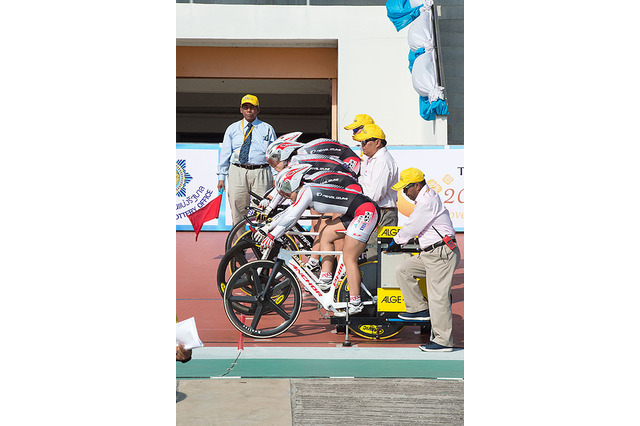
{"x": 360, "y": 120}
{"x": 250, "y": 99}
{"x": 407, "y": 176}
{"x": 369, "y": 131}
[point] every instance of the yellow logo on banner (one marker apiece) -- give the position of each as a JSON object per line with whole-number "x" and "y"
{"x": 388, "y": 231}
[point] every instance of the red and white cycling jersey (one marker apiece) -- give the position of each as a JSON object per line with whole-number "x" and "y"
{"x": 360, "y": 214}
{"x": 320, "y": 162}
{"x": 332, "y": 148}
{"x": 328, "y": 177}
{"x": 325, "y": 170}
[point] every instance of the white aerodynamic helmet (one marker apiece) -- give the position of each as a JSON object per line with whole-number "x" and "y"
{"x": 289, "y": 179}
{"x": 282, "y": 148}
{"x": 289, "y": 137}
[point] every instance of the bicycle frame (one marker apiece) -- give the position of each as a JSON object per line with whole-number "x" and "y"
{"x": 310, "y": 282}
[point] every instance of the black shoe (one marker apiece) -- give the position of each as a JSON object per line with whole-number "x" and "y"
{"x": 434, "y": 347}
{"x": 415, "y": 316}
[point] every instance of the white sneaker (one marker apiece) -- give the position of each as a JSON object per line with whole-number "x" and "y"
{"x": 353, "y": 309}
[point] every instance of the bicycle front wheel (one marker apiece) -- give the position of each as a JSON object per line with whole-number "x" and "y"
{"x": 259, "y": 288}
{"x": 239, "y": 230}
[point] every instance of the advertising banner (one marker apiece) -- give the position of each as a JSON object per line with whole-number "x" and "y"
{"x": 443, "y": 168}
{"x": 197, "y": 181}
{"x": 197, "y": 184}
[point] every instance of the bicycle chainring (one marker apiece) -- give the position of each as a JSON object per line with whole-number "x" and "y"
{"x": 324, "y": 315}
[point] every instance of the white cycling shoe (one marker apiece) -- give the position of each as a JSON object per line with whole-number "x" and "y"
{"x": 353, "y": 309}
{"x": 324, "y": 285}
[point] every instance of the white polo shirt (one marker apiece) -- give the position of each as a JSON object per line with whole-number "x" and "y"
{"x": 377, "y": 175}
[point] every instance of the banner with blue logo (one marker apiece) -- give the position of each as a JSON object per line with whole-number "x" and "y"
{"x": 197, "y": 181}
{"x": 197, "y": 184}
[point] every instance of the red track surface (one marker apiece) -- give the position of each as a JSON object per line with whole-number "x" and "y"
{"x": 198, "y": 297}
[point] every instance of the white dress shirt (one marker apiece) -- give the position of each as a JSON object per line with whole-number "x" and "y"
{"x": 427, "y": 213}
{"x": 377, "y": 175}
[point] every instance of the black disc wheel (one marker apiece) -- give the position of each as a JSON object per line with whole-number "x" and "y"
{"x": 369, "y": 271}
{"x": 259, "y": 288}
{"x": 242, "y": 253}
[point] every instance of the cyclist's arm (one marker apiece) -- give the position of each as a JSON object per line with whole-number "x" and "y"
{"x": 275, "y": 201}
{"x": 288, "y": 218}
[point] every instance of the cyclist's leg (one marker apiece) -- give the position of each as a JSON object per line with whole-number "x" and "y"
{"x": 360, "y": 228}
{"x": 328, "y": 236}
{"x": 338, "y": 244}
{"x": 350, "y": 254}
{"x": 317, "y": 225}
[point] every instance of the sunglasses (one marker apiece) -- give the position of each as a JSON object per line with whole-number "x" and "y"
{"x": 407, "y": 187}
{"x": 364, "y": 142}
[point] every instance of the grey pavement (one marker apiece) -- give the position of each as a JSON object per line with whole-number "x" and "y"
{"x": 320, "y": 402}
{"x": 296, "y": 395}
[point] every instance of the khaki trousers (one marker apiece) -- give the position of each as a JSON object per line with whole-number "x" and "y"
{"x": 240, "y": 182}
{"x": 437, "y": 266}
{"x": 387, "y": 218}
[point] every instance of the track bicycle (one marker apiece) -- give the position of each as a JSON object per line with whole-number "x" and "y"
{"x": 245, "y": 249}
{"x": 256, "y": 286}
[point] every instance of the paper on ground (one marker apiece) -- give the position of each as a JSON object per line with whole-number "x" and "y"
{"x": 187, "y": 334}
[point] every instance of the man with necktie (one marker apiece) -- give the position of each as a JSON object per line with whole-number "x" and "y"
{"x": 243, "y": 158}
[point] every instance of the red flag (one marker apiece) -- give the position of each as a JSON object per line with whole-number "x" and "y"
{"x": 205, "y": 214}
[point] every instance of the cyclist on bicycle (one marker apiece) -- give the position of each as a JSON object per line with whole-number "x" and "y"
{"x": 279, "y": 153}
{"x": 359, "y": 216}
{"x": 318, "y": 163}
{"x": 323, "y": 170}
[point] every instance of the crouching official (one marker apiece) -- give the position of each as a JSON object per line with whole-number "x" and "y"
{"x": 437, "y": 260}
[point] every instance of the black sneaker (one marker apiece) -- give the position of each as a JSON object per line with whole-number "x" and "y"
{"x": 434, "y": 347}
{"x": 415, "y": 316}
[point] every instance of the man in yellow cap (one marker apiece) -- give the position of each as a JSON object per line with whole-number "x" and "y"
{"x": 243, "y": 158}
{"x": 358, "y": 123}
{"x": 437, "y": 260}
{"x": 378, "y": 171}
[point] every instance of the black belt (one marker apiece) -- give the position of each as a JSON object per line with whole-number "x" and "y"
{"x": 436, "y": 245}
{"x": 252, "y": 166}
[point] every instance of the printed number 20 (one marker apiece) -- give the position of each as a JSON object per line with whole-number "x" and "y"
{"x": 450, "y": 192}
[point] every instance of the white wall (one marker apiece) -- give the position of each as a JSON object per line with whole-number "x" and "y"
{"x": 373, "y": 73}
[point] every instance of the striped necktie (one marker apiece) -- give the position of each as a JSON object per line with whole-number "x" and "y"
{"x": 246, "y": 144}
